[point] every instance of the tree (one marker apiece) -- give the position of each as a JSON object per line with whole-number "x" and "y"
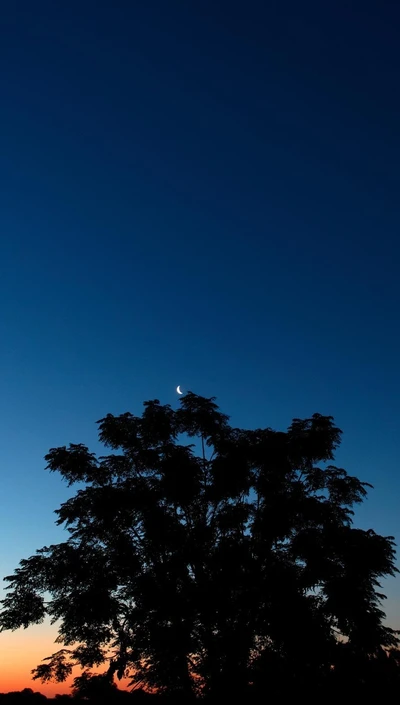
{"x": 99, "y": 688}
{"x": 203, "y": 558}
{"x": 23, "y": 697}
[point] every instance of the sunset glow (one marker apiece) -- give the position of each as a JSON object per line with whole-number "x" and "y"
{"x": 23, "y": 650}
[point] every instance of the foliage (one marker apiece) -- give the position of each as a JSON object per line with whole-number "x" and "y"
{"x": 203, "y": 558}
{"x": 23, "y": 697}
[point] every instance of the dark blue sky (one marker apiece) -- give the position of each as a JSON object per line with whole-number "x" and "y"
{"x": 200, "y": 193}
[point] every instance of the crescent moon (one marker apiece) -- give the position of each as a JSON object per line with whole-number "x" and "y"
{"x": 178, "y": 389}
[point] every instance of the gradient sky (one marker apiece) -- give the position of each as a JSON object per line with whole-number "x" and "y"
{"x": 200, "y": 193}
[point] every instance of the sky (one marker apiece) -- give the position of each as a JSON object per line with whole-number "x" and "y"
{"x": 200, "y": 193}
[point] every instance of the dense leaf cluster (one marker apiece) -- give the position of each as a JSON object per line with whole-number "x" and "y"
{"x": 206, "y": 559}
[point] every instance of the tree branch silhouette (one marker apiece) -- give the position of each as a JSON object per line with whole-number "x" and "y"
{"x": 241, "y": 574}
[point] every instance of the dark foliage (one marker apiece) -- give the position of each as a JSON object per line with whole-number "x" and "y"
{"x": 89, "y": 693}
{"x": 23, "y": 697}
{"x": 205, "y": 559}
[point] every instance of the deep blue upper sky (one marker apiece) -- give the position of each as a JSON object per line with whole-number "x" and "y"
{"x": 200, "y": 193}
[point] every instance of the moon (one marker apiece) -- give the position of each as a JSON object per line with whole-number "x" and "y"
{"x": 178, "y": 389}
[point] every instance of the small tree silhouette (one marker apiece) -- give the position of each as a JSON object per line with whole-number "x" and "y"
{"x": 96, "y": 687}
{"x": 23, "y": 697}
{"x": 208, "y": 559}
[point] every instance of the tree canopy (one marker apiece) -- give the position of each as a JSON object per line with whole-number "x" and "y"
{"x": 203, "y": 559}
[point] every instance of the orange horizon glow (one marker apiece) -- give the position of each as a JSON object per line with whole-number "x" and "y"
{"x": 23, "y": 650}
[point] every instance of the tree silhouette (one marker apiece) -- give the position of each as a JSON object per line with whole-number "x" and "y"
{"x": 99, "y": 688}
{"x": 209, "y": 559}
{"x": 23, "y": 697}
